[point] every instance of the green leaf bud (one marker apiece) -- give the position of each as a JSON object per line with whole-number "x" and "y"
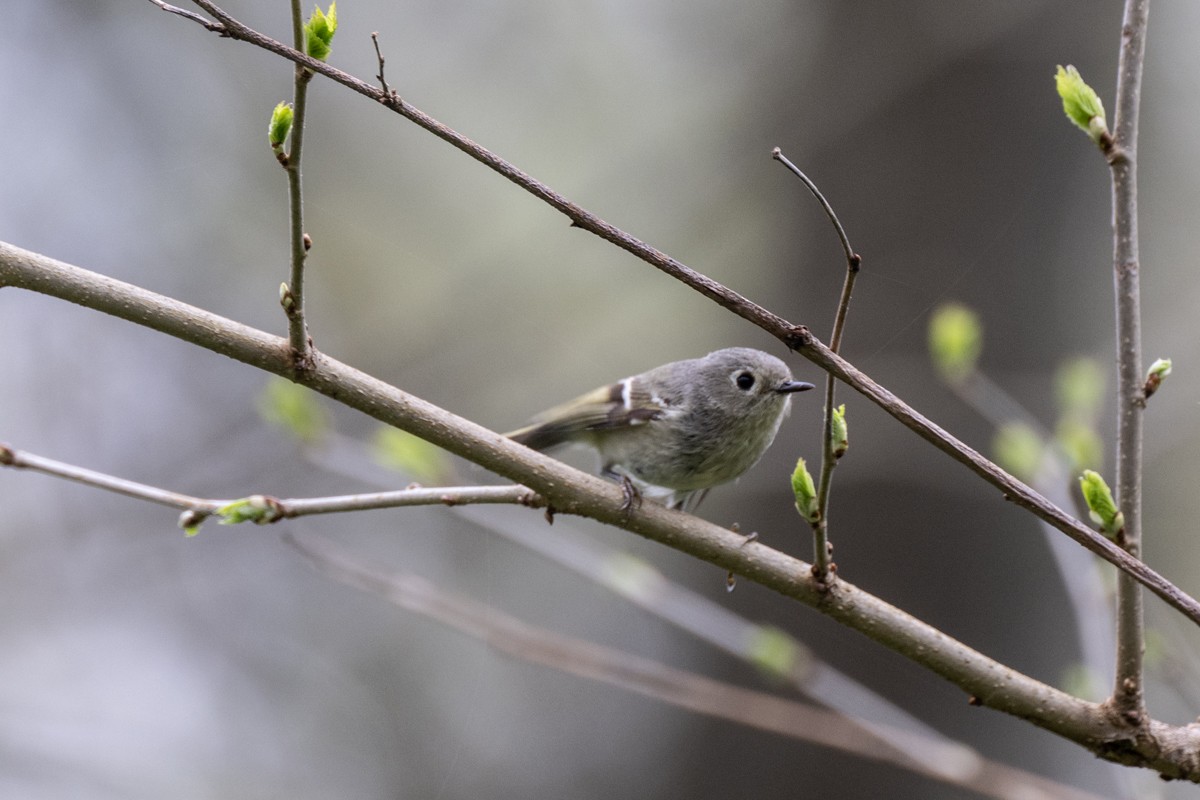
{"x": 1101, "y": 506}
{"x": 319, "y": 31}
{"x": 1081, "y": 103}
{"x": 280, "y": 127}
{"x": 256, "y": 508}
{"x": 839, "y": 435}
{"x": 190, "y": 521}
{"x": 1158, "y": 372}
{"x": 805, "y": 492}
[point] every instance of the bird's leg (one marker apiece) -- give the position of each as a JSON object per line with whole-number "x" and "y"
{"x": 632, "y": 497}
{"x": 631, "y": 494}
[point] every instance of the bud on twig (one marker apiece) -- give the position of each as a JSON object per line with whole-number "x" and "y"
{"x": 1101, "y": 506}
{"x": 280, "y": 127}
{"x": 256, "y": 508}
{"x": 190, "y": 521}
{"x": 1157, "y": 373}
{"x": 1082, "y": 105}
{"x": 319, "y": 31}
{"x": 805, "y": 493}
{"x": 838, "y": 435}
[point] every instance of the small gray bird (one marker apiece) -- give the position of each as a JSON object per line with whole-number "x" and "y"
{"x": 677, "y": 430}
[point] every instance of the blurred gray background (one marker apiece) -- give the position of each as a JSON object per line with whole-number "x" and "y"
{"x": 137, "y": 663}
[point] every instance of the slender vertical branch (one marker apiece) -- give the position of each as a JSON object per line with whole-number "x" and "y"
{"x": 1127, "y": 692}
{"x": 821, "y": 548}
{"x": 297, "y": 328}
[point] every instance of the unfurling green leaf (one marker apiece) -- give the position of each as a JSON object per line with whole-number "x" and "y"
{"x": 839, "y": 435}
{"x": 319, "y": 31}
{"x": 1081, "y": 103}
{"x": 955, "y": 341}
{"x": 805, "y": 492}
{"x": 280, "y": 127}
{"x": 1101, "y": 506}
{"x": 256, "y": 508}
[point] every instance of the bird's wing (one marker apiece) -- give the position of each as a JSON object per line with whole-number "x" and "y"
{"x": 621, "y": 405}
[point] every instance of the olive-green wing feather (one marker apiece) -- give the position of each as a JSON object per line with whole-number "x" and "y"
{"x": 620, "y": 405}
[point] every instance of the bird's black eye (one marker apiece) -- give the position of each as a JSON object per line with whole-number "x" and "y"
{"x": 744, "y": 381}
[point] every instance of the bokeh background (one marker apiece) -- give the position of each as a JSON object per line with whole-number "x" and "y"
{"x": 137, "y": 663}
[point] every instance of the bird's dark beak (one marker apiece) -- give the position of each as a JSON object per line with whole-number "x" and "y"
{"x": 787, "y": 387}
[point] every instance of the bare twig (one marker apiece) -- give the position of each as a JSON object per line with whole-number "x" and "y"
{"x": 284, "y": 508}
{"x": 18, "y": 459}
{"x": 942, "y": 761}
{"x": 1127, "y": 692}
{"x": 383, "y": 84}
{"x": 829, "y": 456}
{"x": 190, "y": 15}
{"x": 852, "y": 258}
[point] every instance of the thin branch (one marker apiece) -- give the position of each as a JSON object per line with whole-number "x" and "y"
{"x": 945, "y": 762}
{"x": 1169, "y": 750}
{"x": 829, "y": 456}
{"x": 216, "y": 27}
{"x": 383, "y": 84}
{"x": 1127, "y": 692}
{"x": 19, "y": 459}
{"x": 294, "y": 307}
{"x": 795, "y": 337}
{"x": 852, "y": 258}
{"x": 281, "y": 508}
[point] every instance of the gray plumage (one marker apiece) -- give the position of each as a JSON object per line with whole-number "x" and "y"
{"x": 679, "y": 429}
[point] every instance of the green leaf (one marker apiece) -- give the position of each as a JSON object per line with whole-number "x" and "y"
{"x": 256, "y": 508}
{"x": 319, "y": 31}
{"x": 293, "y": 407}
{"x": 1081, "y": 104}
{"x": 1101, "y": 506}
{"x": 413, "y": 456}
{"x": 839, "y": 434}
{"x": 281, "y": 125}
{"x": 955, "y": 341}
{"x": 805, "y": 492}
